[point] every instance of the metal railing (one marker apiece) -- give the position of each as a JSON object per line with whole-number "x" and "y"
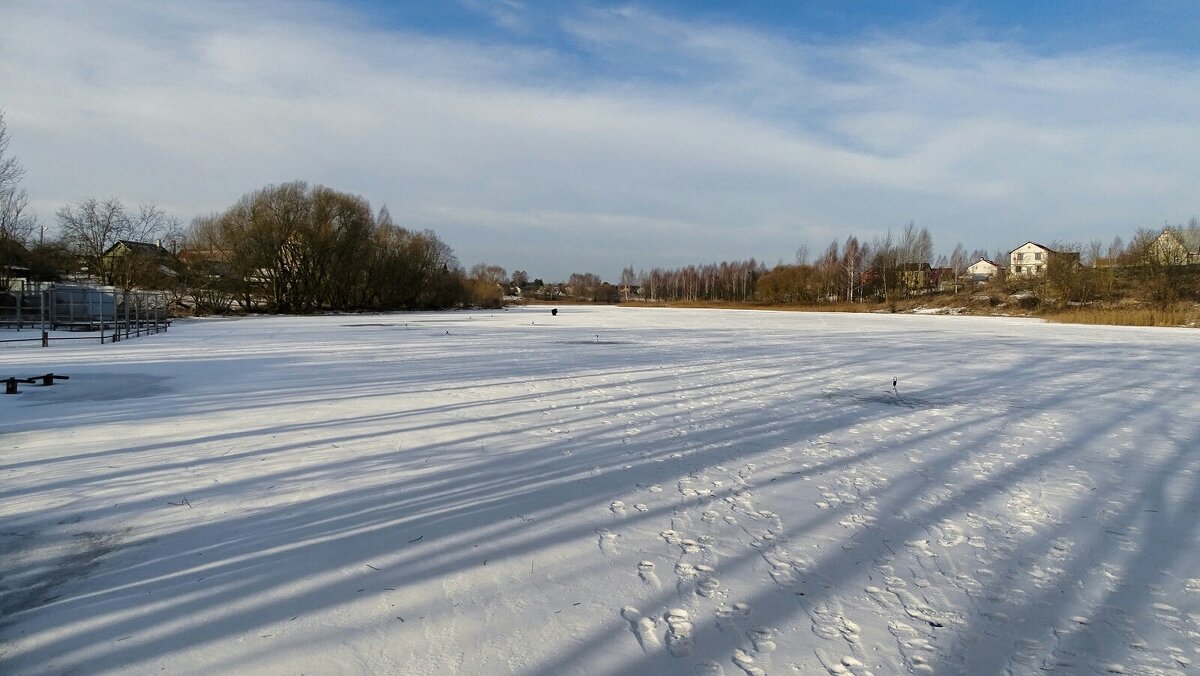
{"x": 115, "y": 315}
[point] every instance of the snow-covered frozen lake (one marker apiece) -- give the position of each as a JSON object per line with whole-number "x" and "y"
{"x": 608, "y": 491}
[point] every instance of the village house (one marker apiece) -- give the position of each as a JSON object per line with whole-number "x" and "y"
{"x": 1032, "y": 258}
{"x": 128, "y": 263}
{"x": 914, "y": 276}
{"x": 1176, "y": 247}
{"x": 982, "y": 270}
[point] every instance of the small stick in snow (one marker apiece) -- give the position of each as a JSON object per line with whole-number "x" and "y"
{"x": 180, "y": 504}
{"x": 371, "y": 567}
{"x": 415, "y": 539}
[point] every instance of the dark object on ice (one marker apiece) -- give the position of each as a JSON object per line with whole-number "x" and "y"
{"x": 554, "y": 312}
{"x": 10, "y": 384}
{"x": 49, "y": 378}
{"x": 893, "y": 384}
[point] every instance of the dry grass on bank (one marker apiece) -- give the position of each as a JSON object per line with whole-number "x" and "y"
{"x": 1176, "y": 315}
{"x": 1182, "y": 314}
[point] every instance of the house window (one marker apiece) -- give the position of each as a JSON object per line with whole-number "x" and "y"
{"x": 1039, "y": 269}
{"x": 1037, "y": 256}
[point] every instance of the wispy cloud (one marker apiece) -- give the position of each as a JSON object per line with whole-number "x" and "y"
{"x": 639, "y": 138}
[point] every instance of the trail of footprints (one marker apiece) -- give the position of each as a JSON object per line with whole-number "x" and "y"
{"x": 712, "y": 502}
{"x": 978, "y": 555}
{"x": 722, "y": 502}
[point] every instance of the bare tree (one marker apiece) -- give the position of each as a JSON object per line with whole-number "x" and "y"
{"x": 885, "y": 261}
{"x": 958, "y": 263}
{"x": 11, "y": 171}
{"x": 916, "y": 246}
{"x": 853, "y": 261}
{"x": 16, "y": 223}
{"x": 628, "y": 281}
{"x": 829, "y": 271}
{"x": 89, "y": 228}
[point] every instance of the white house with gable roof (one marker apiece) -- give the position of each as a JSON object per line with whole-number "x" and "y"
{"x": 982, "y": 269}
{"x": 1032, "y": 258}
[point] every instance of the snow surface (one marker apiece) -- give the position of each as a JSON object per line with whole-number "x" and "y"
{"x": 608, "y": 491}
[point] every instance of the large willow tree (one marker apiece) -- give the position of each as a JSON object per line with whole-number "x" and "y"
{"x": 300, "y": 248}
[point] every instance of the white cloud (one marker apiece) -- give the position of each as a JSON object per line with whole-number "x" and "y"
{"x": 667, "y": 143}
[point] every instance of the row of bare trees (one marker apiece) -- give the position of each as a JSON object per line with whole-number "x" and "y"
{"x": 721, "y": 282}
{"x": 844, "y": 272}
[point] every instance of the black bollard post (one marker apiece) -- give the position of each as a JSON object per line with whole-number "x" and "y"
{"x": 45, "y": 338}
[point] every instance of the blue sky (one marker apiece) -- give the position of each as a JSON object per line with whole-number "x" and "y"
{"x": 1166, "y": 25}
{"x": 587, "y": 136}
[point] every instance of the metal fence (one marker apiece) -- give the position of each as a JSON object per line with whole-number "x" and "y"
{"x": 114, "y": 314}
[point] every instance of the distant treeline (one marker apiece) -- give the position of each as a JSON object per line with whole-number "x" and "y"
{"x": 284, "y": 248}
{"x": 1157, "y": 266}
{"x": 301, "y": 248}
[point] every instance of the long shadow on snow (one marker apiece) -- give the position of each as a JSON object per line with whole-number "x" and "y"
{"x": 308, "y": 538}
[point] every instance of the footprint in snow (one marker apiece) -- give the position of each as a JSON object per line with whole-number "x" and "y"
{"x": 829, "y": 623}
{"x": 642, "y": 628}
{"x": 746, "y": 663}
{"x": 763, "y": 639}
{"x": 679, "y": 632}
{"x": 951, "y": 535}
{"x": 646, "y": 572}
{"x": 608, "y": 540}
{"x": 728, "y": 617}
{"x": 617, "y": 507}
